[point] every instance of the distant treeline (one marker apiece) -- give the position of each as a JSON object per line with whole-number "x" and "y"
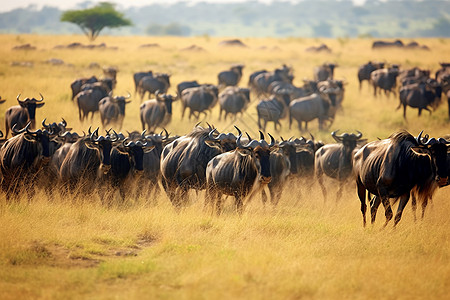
{"x": 328, "y": 18}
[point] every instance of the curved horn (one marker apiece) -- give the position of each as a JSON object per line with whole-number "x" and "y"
{"x": 43, "y": 123}
{"x": 129, "y": 95}
{"x": 443, "y": 141}
{"x": 238, "y": 142}
{"x": 359, "y": 135}
{"x": 261, "y": 135}
{"x": 64, "y": 123}
{"x": 143, "y": 134}
{"x": 312, "y": 137}
{"x": 42, "y": 98}
{"x": 418, "y": 138}
{"x": 282, "y": 138}
{"x": 211, "y": 135}
{"x": 21, "y": 130}
{"x": 272, "y": 140}
{"x": 18, "y": 99}
{"x": 336, "y": 137}
{"x": 238, "y": 130}
{"x": 95, "y": 133}
{"x": 248, "y": 136}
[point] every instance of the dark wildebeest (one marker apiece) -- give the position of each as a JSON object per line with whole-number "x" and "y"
{"x": 78, "y": 83}
{"x": 238, "y": 173}
{"x": 199, "y": 99}
{"x": 273, "y": 109}
{"x": 22, "y": 158}
{"x": 156, "y": 112}
{"x": 420, "y": 96}
{"x": 384, "y": 44}
{"x": 338, "y": 86}
{"x": 320, "y": 106}
{"x": 384, "y": 79}
{"x": 251, "y": 78}
{"x": 294, "y": 92}
{"x": 262, "y": 82}
{"x": 392, "y": 167}
{"x": 127, "y": 164}
{"x": 414, "y": 75}
{"x": 443, "y": 78}
{"x": 87, "y": 160}
{"x": 20, "y": 115}
{"x": 185, "y": 85}
{"x": 233, "y": 100}
{"x": 183, "y": 163}
{"x": 137, "y": 78}
{"x": 88, "y": 99}
{"x": 336, "y": 160}
{"x": 324, "y": 72}
{"x": 230, "y": 77}
{"x": 152, "y": 84}
{"x": 365, "y": 70}
{"x": 112, "y": 109}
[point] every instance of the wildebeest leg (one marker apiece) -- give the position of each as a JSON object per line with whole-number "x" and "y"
{"x": 239, "y": 203}
{"x": 404, "y": 111}
{"x": 424, "y": 206}
{"x": 414, "y": 205}
{"x": 322, "y": 186}
{"x": 387, "y": 210}
{"x": 275, "y": 194}
{"x": 362, "y": 198}
{"x": 263, "y": 197}
{"x": 401, "y": 205}
{"x": 375, "y": 203}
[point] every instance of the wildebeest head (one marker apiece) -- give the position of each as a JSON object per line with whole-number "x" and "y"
{"x": 438, "y": 152}
{"x": 167, "y": 100}
{"x": 121, "y": 101}
{"x": 237, "y": 69}
{"x": 56, "y": 128}
{"x": 31, "y": 105}
{"x": 135, "y": 151}
{"x": 260, "y": 150}
{"x": 349, "y": 140}
{"x": 39, "y": 136}
{"x": 227, "y": 141}
{"x": 103, "y": 144}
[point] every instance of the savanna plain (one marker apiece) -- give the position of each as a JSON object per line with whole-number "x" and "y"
{"x": 304, "y": 248}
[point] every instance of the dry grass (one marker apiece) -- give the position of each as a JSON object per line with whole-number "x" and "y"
{"x": 305, "y": 248}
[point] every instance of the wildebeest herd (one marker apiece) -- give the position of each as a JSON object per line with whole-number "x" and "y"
{"x": 225, "y": 163}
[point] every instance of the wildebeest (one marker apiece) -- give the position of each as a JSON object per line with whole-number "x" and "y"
{"x": 273, "y": 109}
{"x": 88, "y": 99}
{"x": 20, "y": 115}
{"x": 127, "y": 164}
{"x": 365, "y": 70}
{"x": 159, "y": 82}
{"x": 262, "y": 82}
{"x": 324, "y": 72}
{"x": 157, "y": 112}
{"x": 112, "y": 109}
{"x": 198, "y": 99}
{"x": 251, "y": 78}
{"x": 420, "y": 95}
{"x": 320, "y": 106}
{"x": 385, "y": 44}
{"x": 384, "y": 79}
{"x": 443, "y": 78}
{"x": 185, "y": 85}
{"x": 337, "y": 86}
{"x": 239, "y": 172}
{"x": 87, "y": 160}
{"x": 233, "y": 100}
{"x": 78, "y": 83}
{"x": 137, "y": 78}
{"x": 336, "y": 160}
{"x": 183, "y": 163}
{"x": 22, "y": 158}
{"x": 230, "y": 77}
{"x": 392, "y": 167}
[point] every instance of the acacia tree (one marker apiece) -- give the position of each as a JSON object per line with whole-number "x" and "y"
{"x": 95, "y": 19}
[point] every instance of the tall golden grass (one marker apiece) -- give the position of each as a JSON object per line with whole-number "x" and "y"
{"x": 72, "y": 248}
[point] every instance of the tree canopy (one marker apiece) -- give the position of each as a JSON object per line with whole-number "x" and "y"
{"x": 95, "y": 19}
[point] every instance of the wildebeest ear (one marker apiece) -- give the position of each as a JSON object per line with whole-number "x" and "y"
{"x": 148, "y": 149}
{"x": 90, "y": 144}
{"x": 29, "y": 137}
{"x": 40, "y": 104}
{"x": 212, "y": 143}
{"x": 420, "y": 151}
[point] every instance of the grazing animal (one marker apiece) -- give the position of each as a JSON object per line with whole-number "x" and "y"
{"x": 20, "y": 115}
{"x": 156, "y": 112}
{"x": 112, "y": 109}
{"x": 184, "y": 161}
{"x": 365, "y": 70}
{"x": 320, "y": 106}
{"x": 336, "y": 160}
{"x": 230, "y": 77}
{"x": 420, "y": 96}
{"x": 251, "y": 78}
{"x": 78, "y": 83}
{"x": 392, "y": 167}
{"x": 22, "y": 158}
{"x": 262, "y": 82}
{"x": 324, "y": 72}
{"x": 152, "y": 84}
{"x": 384, "y": 79}
{"x": 88, "y": 100}
{"x": 184, "y": 85}
{"x": 137, "y": 78}
{"x": 238, "y": 173}
{"x": 273, "y": 109}
{"x": 199, "y": 100}
{"x": 233, "y": 100}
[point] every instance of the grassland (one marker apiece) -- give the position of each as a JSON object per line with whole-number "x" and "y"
{"x": 304, "y": 248}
